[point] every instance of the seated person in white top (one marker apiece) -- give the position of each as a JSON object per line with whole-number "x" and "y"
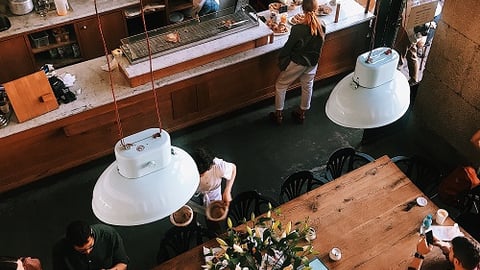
{"x": 212, "y": 170}
{"x": 19, "y": 263}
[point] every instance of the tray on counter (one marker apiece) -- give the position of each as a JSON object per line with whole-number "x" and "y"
{"x": 190, "y": 33}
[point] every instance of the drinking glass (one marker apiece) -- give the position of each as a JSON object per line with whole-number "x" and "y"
{"x": 42, "y": 7}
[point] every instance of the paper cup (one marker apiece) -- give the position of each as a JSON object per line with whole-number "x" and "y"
{"x": 441, "y": 216}
{"x": 335, "y": 254}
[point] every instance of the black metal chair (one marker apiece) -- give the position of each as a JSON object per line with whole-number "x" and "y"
{"x": 403, "y": 163}
{"x": 180, "y": 239}
{"x": 359, "y": 159}
{"x": 345, "y": 160}
{"x": 245, "y": 203}
{"x": 424, "y": 173}
{"x": 297, "y": 184}
{"x": 469, "y": 217}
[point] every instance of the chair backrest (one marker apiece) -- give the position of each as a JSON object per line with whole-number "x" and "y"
{"x": 358, "y": 160}
{"x": 424, "y": 173}
{"x": 180, "y": 239}
{"x": 345, "y": 160}
{"x": 337, "y": 163}
{"x": 404, "y": 163}
{"x": 245, "y": 203}
{"x": 470, "y": 202}
{"x": 297, "y": 184}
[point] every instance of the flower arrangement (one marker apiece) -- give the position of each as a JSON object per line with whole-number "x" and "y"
{"x": 262, "y": 243}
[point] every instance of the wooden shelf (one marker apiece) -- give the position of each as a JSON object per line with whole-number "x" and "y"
{"x": 58, "y": 62}
{"x": 53, "y": 46}
{"x": 179, "y": 5}
{"x": 134, "y": 12}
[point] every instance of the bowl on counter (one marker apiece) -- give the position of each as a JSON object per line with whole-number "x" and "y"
{"x": 4, "y": 23}
{"x": 176, "y": 16}
{"x": 20, "y": 7}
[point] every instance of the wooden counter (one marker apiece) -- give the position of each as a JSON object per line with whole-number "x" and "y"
{"x": 361, "y": 213}
{"x": 85, "y": 129}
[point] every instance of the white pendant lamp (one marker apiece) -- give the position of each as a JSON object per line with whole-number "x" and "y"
{"x": 149, "y": 180}
{"x": 374, "y": 95}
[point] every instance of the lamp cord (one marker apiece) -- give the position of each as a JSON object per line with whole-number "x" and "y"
{"x": 374, "y": 31}
{"x": 152, "y": 78}
{"x": 117, "y": 114}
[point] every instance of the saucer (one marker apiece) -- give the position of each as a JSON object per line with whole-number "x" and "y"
{"x": 421, "y": 201}
{"x": 335, "y": 254}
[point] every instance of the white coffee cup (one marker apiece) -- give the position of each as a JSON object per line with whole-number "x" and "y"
{"x": 335, "y": 254}
{"x": 441, "y": 216}
{"x": 311, "y": 234}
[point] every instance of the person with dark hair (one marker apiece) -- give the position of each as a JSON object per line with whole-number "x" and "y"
{"x": 86, "y": 247}
{"x": 299, "y": 60}
{"x": 462, "y": 253}
{"x": 212, "y": 170}
{"x": 19, "y": 263}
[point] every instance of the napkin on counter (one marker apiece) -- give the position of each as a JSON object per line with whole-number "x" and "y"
{"x": 68, "y": 79}
{"x": 113, "y": 64}
{"x": 113, "y": 60}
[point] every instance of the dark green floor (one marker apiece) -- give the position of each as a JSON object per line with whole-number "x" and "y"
{"x": 34, "y": 217}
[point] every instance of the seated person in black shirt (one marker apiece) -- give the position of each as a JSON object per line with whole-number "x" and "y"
{"x": 462, "y": 253}
{"x": 88, "y": 247}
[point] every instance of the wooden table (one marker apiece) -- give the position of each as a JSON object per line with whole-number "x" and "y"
{"x": 362, "y": 213}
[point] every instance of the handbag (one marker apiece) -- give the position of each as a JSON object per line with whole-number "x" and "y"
{"x": 457, "y": 184}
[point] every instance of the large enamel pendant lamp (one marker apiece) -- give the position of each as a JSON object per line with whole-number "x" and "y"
{"x": 374, "y": 95}
{"x": 149, "y": 180}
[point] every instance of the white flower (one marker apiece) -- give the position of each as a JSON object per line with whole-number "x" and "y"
{"x": 289, "y": 227}
{"x": 208, "y": 265}
{"x": 237, "y": 248}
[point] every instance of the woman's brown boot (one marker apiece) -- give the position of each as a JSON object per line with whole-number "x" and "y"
{"x": 276, "y": 117}
{"x": 299, "y": 115}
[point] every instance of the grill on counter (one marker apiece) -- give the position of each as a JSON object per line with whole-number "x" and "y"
{"x": 190, "y": 33}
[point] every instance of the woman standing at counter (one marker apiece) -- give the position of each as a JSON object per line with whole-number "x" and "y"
{"x": 299, "y": 59}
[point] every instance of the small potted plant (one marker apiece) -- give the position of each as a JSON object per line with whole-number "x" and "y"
{"x": 182, "y": 217}
{"x": 217, "y": 211}
{"x": 261, "y": 243}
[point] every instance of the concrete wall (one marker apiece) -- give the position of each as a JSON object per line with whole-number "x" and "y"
{"x": 448, "y": 99}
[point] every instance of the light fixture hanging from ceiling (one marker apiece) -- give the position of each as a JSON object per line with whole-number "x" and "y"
{"x": 374, "y": 95}
{"x": 150, "y": 178}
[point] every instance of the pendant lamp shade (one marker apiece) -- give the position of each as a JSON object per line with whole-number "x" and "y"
{"x": 149, "y": 180}
{"x": 374, "y": 95}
